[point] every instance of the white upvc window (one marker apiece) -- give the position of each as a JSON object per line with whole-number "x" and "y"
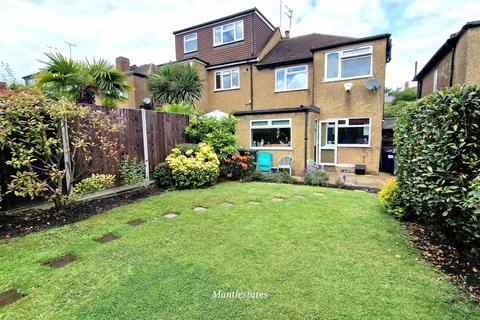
{"x": 291, "y": 78}
{"x": 271, "y": 134}
{"x": 227, "y": 79}
{"x": 228, "y": 33}
{"x": 354, "y": 132}
{"x": 190, "y": 43}
{"x": 348, "y": 64}
{"x": 435, "y": 80}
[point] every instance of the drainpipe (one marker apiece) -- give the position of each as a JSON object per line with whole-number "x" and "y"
{"x": 306, "y": 141}
{"x": 452, "y": 64}
{"x": 251, "y": 85}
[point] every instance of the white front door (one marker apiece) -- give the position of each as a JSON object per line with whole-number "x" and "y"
{"x": 327, "y": 138}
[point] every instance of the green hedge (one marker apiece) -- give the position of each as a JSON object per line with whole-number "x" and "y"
{"x": 438, "y": 157}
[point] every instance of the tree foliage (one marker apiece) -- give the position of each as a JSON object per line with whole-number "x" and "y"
{"x": 30, "y": 135}
{"x": 82, "y": 81}
{"x": 175, "y": 83}
{"x": 438, "y": 157}
{"x": 402, "y": 98}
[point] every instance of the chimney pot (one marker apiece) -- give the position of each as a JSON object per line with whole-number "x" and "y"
{"x": 287, "y": 34}
{"x": 122, "y": 64}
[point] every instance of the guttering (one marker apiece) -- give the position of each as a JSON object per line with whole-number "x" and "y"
{"x": 299, "y": 109}
{"x": 234, "y": 63}
{"x": 283, "y": 63}
{"x": 353, "y": 41}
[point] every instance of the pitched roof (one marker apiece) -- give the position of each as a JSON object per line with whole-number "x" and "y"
{"x": 298, "y": 49}
{"x": 445, "y": 48}
{"x": 143, "y": 71}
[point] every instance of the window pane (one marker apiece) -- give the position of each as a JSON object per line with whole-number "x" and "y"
{"x": 356, "y": 52}
{"x": 235, "y": 82}
{"x": 359, "y": 121}
{"x": 191, "y": 45}
{"x": 239, "y": 30}
{"x": 226, "y": 81}
{"x": 280, "y": 85}
{"x": 332, "y": 65}
{"x": 355, "y": 135}
{"x": 280, "y": 122}
{"x": 218, "y": 35}
{"x": 275, "y": 137}
{"x": 218, "y": 81}
{"x": 228, "y": 36}
{"x": 297, "y": 69}
{"x": 296, "y": 81}
{"x": 259, "y": 123}
{"x": 355, "y": 67}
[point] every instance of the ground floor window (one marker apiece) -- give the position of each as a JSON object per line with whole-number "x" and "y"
{"x": 355, "y": 131}
{"x": 271, "y": 133}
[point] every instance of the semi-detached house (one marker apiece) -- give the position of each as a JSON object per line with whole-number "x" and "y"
{"x": 303, "y": 96}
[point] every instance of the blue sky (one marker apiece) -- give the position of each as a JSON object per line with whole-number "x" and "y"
{"x": 142, "y": 29}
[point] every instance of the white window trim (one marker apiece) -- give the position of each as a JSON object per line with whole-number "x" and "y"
{"x": 340, "y": 54}
{"x": 286, "y": 69}
{"x": 270, "y": 126}
{"x": 184, "y": 42}
{"x": 221, "y": 82}
{"x": 435, "y": 80}
{"x": 235, "y": 39}
{"x": 346, "y": 145}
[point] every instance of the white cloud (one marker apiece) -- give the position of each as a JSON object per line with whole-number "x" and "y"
{"x": 142, "y": 29}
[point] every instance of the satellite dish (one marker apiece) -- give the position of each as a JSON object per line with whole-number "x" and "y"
{"x": 372, "y": 84}
{"x": 147, "y": 100}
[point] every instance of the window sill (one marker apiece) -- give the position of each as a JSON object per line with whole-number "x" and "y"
{"x": 346, "y": 79}
{"x": 220, "y": 90}
{"x": 354, "y": 146}
{"x": 289, "y": 90}
{"x": 227, "y": 43}
{"x": 189, "y": 52}
{"x": 272, "y": 148}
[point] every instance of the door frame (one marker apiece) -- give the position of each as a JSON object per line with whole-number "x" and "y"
{"x": 333, "y": 147}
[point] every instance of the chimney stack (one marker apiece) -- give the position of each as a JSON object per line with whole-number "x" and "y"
{"x": 287, "y": 34}
{"x": 122, "y": 64}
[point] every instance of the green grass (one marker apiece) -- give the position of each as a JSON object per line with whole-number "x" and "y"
{"x": 332, "y": 257}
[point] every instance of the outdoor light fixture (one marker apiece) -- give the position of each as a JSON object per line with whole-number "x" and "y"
{"x": 348, "y": 86}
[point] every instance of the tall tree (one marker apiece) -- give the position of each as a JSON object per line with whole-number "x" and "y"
{"x": 175, "y": 83}
{"x": 83, "y": 81}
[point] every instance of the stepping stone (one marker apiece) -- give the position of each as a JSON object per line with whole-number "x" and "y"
{"x": 227, "y": 204}
{"x": 107, "y": 238}
{"x": 61, "y": 261}
{"x": 319, "y": 194}
{"x": 300, "y": 197}
{"x": 277, "y": 199}
{"x": 254, "y": 202}
{"x": 136, "y": 222}
{"x": 170, "y": 215}
{"x": 9, "y": 297}
{"x": 200, "y": 209}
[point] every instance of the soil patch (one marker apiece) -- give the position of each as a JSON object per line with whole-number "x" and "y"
{"x": 136, "y": 222}
{"x": 9, "y": 297}
{"x": 61, "y": 261}
{"x": 462, "y": 269}
{"x": 107, "y": 238}
{"x": 170, "y": 214}
{"x": 35, "y": 220}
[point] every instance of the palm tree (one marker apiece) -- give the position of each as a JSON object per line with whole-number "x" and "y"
{"x": 175, "y": 83}
{"x": 82, "y": 81}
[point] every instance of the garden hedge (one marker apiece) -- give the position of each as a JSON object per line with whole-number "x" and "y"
{"x": 437, "y": 160}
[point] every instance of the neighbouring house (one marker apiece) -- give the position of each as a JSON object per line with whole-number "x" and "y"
{"x": 30, "y": 79}
{"x": 456, "y": 61}
{"x": 137, "y": 76}
{"x": 302, "y": 96}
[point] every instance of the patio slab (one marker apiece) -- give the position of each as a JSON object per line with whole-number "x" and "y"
{"x": 170, "y": 215}
{"x": 9, "y": 297}
{"x": 107, "y": 238}
{"x": 200, "y": 209}
{"x": 61, "y": 261}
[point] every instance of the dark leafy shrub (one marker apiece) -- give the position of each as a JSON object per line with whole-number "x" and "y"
{"x": 237, "y": 166}
{"x": 437, "y": 157}
{"x": 184, "y": 147}
{"x": 316, "y": 178}
{"x": 281, "y": 177}
{"x": 132, "y": 171}
{"x": 95, "y": 182}
{"x": 389, "y": 198}
{"x": 163, "y": 176}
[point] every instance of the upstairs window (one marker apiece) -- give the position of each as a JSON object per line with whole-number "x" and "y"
{"x": 293, "y": 78}
{"x": 350, "y": 63}
{"x": 435, "y": 80}
{"x": 227, "y": 79}
{"x": 190, "y": 43}
{"x": 354, "y": 131}
{"x": 228, "y": 33}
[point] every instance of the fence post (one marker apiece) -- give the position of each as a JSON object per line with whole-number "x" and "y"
{"x": 145, "y": 145}
{"x": 66, "y": 155}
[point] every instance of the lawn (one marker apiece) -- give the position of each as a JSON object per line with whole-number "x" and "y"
{"x": 333, "y": 255}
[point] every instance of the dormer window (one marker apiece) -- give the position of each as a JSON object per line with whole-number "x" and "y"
{"x": 228, "y": 33}
{"x": 190, "y": 43}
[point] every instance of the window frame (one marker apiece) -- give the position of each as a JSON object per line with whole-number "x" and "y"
{"x": 235, "y": 38}
{"x": 286, "y": 73}
{"x": 221, "y": 82}
{"x": 184, "y": 42}
{"x": 339, "y": 66}
{"x": 270, "y": 126}
{"x": 348, "y": 125}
